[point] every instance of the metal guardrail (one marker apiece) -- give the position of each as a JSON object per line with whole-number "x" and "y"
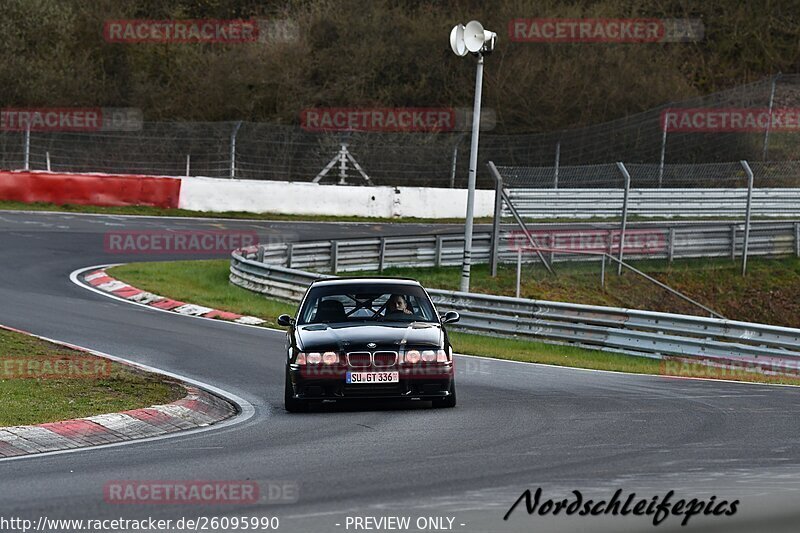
{"x": 667, "y": 241}
{"x": 585, "y": 203}
{"x": 641, "y": 333}
{"x": 557, "y": 243}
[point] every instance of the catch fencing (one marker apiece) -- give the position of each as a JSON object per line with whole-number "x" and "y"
{"x": 265, "y": 151}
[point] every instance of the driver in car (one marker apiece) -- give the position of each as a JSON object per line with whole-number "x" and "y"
{"x": 397, "y": 307}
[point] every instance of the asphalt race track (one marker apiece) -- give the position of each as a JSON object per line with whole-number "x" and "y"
{"x": 516, "y": 427}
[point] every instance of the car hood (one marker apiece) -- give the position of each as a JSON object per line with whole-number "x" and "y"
{"x": 349, "y": 337}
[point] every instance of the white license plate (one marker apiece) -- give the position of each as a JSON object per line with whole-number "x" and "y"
{"x": 373, "y": 377}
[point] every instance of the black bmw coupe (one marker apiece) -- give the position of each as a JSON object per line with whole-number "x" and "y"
{"x": 362, "y": 338}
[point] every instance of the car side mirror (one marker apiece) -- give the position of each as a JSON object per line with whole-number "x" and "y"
{"x": 285, "y": 320}
{"x": 450, "y": 317}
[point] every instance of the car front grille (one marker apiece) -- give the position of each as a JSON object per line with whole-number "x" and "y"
{"x": 378, "y": 359}
{"x": 359, "y": 359}
{"x": 384, "y": 359}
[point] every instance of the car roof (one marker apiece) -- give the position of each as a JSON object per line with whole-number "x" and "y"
{"x": 364, "y": 281}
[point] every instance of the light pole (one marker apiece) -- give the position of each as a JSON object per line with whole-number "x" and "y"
{"x": 463, "y": 40}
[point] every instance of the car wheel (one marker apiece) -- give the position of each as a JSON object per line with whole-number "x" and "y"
{"x": 290, "y": 403}
{"x": 450, "y": 401}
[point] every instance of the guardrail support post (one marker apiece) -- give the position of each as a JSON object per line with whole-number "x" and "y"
{"x": 382, "y": 255}
{"x": 498, "y": 214}
{"x": 519, "y": 269}
{"x": 627, "y": 177}
{"x": 260, "y": 253}
{"x": 289, "y": 254}
{"x": 671, "y": 249}
{"x": 748, "y": 214}
{"x": 797, "y": 239}
{"x": 551, "y": 243}
{"x": 438, "y": 253}
{"x": 334, "y": 257}
{"x": 603, "y": 271}
{"x": 733, "y": 242}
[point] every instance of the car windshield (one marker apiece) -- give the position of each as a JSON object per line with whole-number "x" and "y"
{"x": 366, "y": 302}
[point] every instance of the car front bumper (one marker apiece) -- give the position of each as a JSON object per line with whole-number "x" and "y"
{"x": 422, "y": 382}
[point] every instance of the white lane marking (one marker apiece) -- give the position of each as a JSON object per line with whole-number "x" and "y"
{"x": 156, "y": 217}
{"x": 246, "y": 409}
{"x": 74, "y": 278}
{"x": 663, "y": 376}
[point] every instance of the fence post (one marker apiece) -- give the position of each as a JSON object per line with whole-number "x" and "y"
{"x": 188, "y": 162}
{"x": 733, "y": 242}
{"x": 627, "y": 176}
{"x": 520, "y": 222}
{"x": 498, "y": 212}
{"x": 748, "y": 213}
{"x": 334, "y": 256}
{"x": 47, "y": 159}
{"x": 233, "y": 148}
{"x": 28, "y": 147}
{"x": 663, "y": 153}
{"x": 671, "y": 249}
{"x": 455, "y": 161}
{"x": 381, "y": 255}
{"x": 289, "y": 254}
{"x": 438, "y": 253}
{"x": 551, "y": 243}
{"x": 769, "y": 122}
{"x": 558, "y": 158}
{"x": 519, "y": 269}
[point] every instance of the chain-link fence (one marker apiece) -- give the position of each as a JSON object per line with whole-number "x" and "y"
{"x": 734, "y": 192}
{"x": 772, "y": 174}
{"x": 566, "y": 158}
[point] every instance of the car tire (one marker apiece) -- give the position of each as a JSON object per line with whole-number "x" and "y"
{"x": 290, "y": 403}
{"x": 449, "y": 401}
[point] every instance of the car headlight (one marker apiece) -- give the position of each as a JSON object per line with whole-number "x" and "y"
{"x": 429, "y": 356}
{"x": 315, "y": 358}
{"x": 412, "y": 356}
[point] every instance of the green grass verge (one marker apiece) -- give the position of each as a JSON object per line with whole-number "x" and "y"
{"x": 30, "y": 397}
{"x": 206, "y": 283}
